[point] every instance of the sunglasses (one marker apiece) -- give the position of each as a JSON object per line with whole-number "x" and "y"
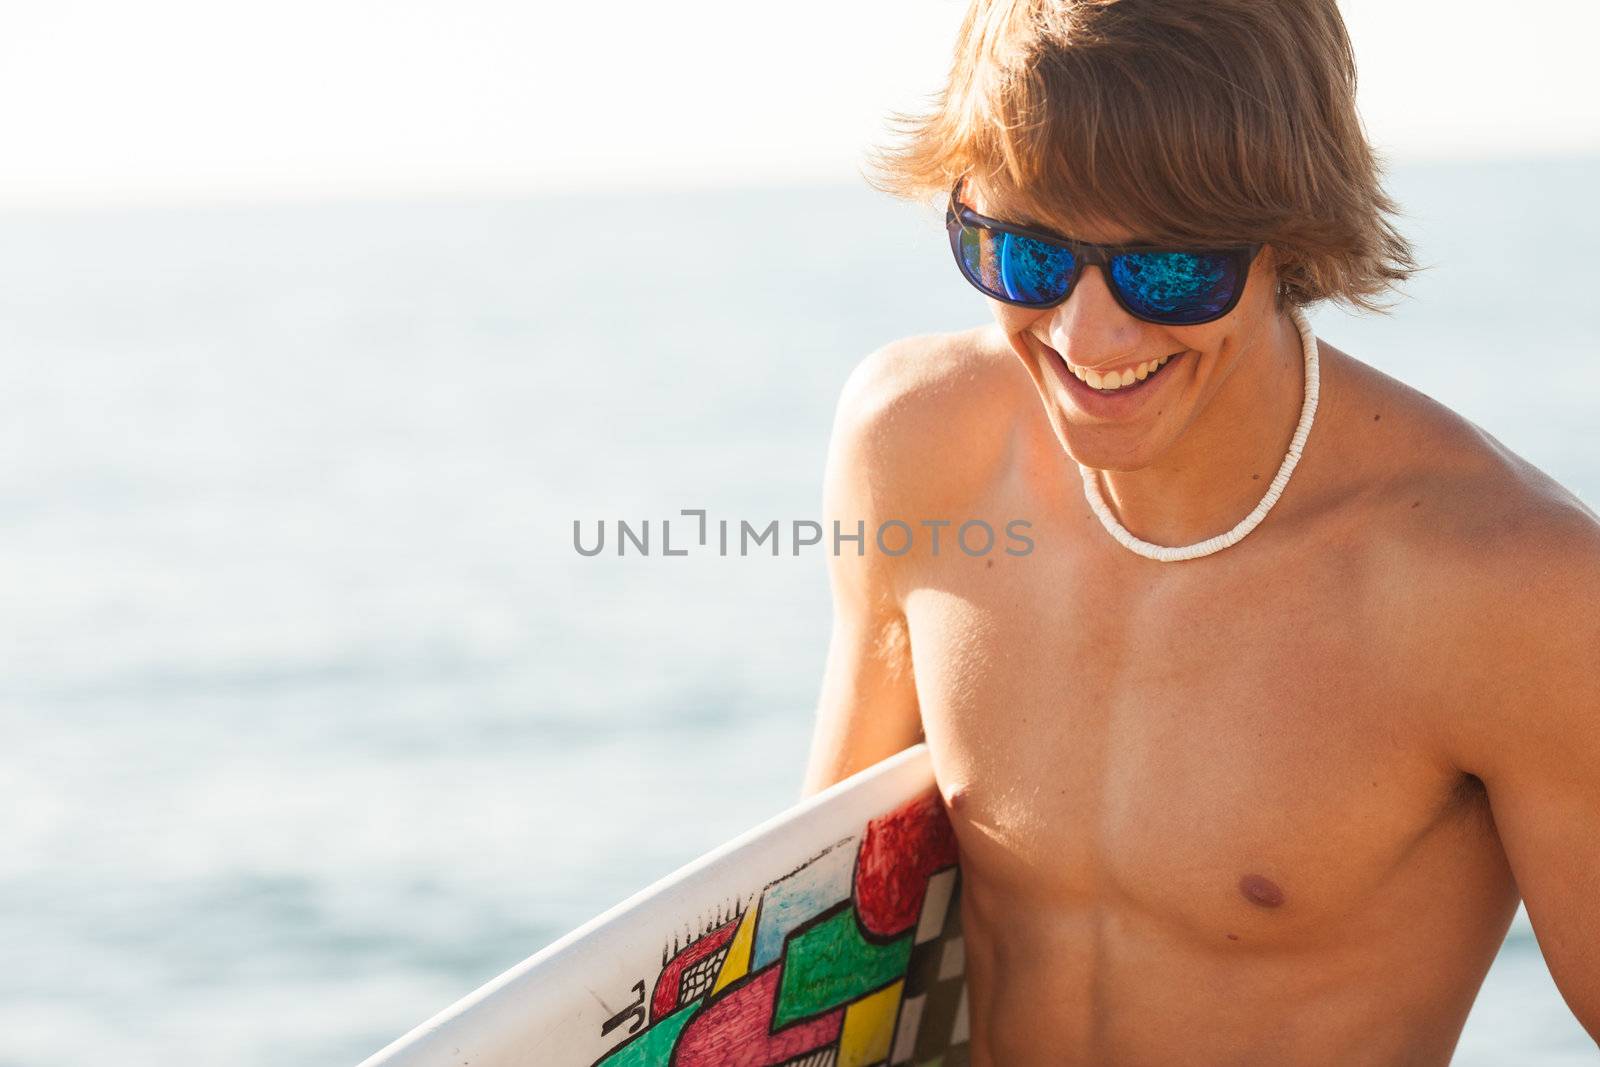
{"x": 1035, "y": 268}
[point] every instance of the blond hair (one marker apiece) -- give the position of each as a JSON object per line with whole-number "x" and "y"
{"x": 1208, "y": 123}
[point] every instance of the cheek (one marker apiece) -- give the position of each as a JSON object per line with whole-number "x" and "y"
{"x": 1202, "y": 339}
{"x": 1013, "y": 319}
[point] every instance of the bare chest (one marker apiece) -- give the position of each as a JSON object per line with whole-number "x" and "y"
{"x": 1240, "y": 756}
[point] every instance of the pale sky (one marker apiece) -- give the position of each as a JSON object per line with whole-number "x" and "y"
{"x": 111, "y": 101}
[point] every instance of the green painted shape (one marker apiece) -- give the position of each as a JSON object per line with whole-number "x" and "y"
{"x": 832, "y": 964}
{"x": 653, "y": 1047}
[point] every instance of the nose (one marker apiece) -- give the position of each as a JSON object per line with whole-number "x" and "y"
{"x": 1090, "y": 329}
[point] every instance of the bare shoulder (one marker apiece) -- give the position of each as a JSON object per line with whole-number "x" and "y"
{"x": 926, "y": 420}
{"x": 1433, "y": 481}
{"x": 1493, "y": 566}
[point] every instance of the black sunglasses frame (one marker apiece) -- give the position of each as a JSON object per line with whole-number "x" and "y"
{"x": 959, "y": 217}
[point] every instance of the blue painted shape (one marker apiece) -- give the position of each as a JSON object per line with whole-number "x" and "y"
{"x": 806, "y": 893}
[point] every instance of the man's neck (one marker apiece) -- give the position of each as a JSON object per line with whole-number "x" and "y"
{"x": 1221, "y": 466}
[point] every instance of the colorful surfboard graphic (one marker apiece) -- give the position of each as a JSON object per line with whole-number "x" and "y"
{"x": 852, "y": 959}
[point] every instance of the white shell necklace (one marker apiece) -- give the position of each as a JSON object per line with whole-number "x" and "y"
{"x": 1170, "y": 554}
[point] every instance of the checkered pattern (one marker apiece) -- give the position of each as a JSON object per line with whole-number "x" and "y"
{"x": 932, "y": 1028}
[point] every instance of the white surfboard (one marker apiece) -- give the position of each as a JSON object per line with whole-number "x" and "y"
{"x": 829, "y": 936}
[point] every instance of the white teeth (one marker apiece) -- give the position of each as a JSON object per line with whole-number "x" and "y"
{"x": 1110, "y": 380}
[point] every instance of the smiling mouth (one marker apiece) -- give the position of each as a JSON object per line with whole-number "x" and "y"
{"x": 1109, "y": 381}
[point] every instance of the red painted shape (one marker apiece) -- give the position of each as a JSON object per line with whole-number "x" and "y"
{"x": 899, "y": 852}
{"x": 733, "y": 1030}
{"x": 665, "y": 999}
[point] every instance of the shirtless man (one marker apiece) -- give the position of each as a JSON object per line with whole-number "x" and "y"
{"x": 1276, "y": 803}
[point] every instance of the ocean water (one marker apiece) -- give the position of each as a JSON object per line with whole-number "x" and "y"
{"x": 314, "y": 718}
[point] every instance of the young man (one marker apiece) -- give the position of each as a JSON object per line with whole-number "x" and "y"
{"x": 1271, "y": 797}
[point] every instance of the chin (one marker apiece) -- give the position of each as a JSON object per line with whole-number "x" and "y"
{"x": 1106, "y": 448}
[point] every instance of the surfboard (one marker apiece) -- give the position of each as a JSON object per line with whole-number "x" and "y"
{"x": 829, "y": 936}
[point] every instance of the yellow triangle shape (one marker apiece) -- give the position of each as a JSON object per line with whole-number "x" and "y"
{"x": 737, "y": 962}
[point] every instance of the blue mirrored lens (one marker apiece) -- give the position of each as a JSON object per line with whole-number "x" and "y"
{"x": 1015, "y": 268}
{"x": 1176, "y": 287}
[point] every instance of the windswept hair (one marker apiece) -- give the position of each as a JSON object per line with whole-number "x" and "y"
{"x": 1194, "y": 122}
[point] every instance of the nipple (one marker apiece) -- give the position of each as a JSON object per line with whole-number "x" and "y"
{"x": 1261, "y": 891}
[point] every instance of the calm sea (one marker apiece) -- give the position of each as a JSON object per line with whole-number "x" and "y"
{"x": 313, "y": 717}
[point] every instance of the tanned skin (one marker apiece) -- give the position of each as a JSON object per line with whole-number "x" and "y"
{"x": 1275, "y": 806}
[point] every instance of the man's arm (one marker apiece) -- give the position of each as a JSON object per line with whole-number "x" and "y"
{"x": 868, "y": 707}
{"x": 1534, "y": 741}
